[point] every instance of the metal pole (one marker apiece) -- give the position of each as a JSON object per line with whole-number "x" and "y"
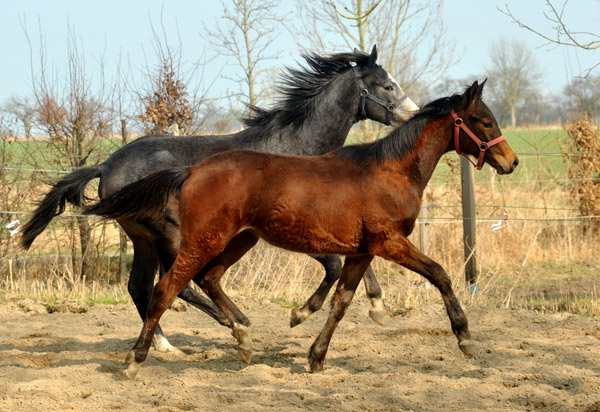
{"x": 468, "y": 210}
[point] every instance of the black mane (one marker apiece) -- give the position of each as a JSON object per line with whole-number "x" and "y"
{"x": 402, "y": 139}
{"x": 298, "y": 88}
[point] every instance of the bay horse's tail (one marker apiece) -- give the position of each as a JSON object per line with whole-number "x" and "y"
{"x": 68, "y": 189}
{"x": 144, "y": 198}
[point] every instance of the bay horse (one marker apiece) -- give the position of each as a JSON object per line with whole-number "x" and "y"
{"x": 319, "y": 105}
{"x": 359, "y": 201}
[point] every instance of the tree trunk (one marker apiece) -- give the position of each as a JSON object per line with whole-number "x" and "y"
{"x": 122, "y": 256}
{"x": 513, "y": 117}
{"x": 27, "y": 126}
{"x": 122, "y": 274}
{"x": 86, "y": 249}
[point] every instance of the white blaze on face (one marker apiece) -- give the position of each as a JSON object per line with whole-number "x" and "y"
{"x": 407, "y": 107}
{"x": 394, "y": 81}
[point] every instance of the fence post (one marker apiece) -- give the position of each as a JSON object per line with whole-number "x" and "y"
{"x": 424, "y": 223}
{"x": 468, "y": 211}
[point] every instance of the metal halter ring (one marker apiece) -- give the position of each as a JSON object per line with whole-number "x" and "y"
{"x": 458, "y": 121}
{"x": 391, "y": 107}
{"x": 483, "y": 146}
{"x": 364, "y": 92}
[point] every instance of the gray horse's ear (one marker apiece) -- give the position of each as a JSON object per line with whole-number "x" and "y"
{"x": 373, "y": 57}
{"x": 356, "y": 51}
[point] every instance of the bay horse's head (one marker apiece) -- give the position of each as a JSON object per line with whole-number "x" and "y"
{"x": 382, "y": 98}
{"x": 476, "y": 133}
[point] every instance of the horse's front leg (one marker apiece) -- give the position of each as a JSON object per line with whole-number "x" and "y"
{"x": 352, "y": 272}
{"x": 403, "y": 252}
{"x": 333, "y": 270}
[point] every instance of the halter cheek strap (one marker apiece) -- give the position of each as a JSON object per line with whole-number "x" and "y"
{"x": 483, "y": 146}
{"x": 364, "y": 95}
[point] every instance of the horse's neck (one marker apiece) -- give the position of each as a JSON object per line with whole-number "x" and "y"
{"x": 326, "y": 128}
{"x": 430, "y": 146}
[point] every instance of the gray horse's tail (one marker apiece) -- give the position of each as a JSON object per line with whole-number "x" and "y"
{"x": 144, "y": 198}
{"x": 68, "y": 189}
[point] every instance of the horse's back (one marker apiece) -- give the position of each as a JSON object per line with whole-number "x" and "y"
{"x": 281, "y": 198}
{"x": 153, "y": 153}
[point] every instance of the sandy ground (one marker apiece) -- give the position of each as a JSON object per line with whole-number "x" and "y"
{"x": 65, "y": 361}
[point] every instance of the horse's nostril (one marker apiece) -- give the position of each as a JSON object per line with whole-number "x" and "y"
{"x": 515, "y": 164}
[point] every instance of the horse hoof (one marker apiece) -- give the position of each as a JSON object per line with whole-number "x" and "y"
{"x": 131, "y": 371}
{"x": 469, "y": 347}
{"x": 245, "y": 354}
{"x": 315, "y": 366}
{"x": 299, "y": 315}
{"x": 379, "y": 316}
{"x": 243, "y": 334}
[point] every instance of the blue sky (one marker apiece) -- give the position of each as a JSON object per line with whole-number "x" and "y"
{"x": 113, "y": 28}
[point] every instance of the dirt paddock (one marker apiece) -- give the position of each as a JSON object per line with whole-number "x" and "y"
{"x": 69, "y": 361}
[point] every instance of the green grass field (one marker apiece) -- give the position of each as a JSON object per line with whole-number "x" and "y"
{"x": 538, "y": 150}
{"x": 527, "y": 143}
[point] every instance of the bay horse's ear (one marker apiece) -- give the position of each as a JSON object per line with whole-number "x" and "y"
{"x": 474, "y": 92}
{"x": 373, "y": 57}
{"x": 481, "y": 87}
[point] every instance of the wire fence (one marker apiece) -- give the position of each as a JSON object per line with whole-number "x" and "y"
{"x": 533, "y": 211}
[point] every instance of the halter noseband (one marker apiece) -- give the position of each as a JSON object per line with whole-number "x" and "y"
{"x": 364, "y": 95}
{"x": 483, "y": 146}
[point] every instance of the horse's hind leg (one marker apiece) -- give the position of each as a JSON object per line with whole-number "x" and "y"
{"x": 168, "y": 251}
{"x": 406, "y": 254}
{"x": 352, "y": 272}
{"x": 377, "y": 311}
{"x": 141, "y": 281}
{"x": 209, "y": 278}
{"x": 333, "y": 270}
{"x": 165, "y": 292}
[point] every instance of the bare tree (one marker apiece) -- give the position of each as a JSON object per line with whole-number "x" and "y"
{"x": 514, "y": 76}
{"x": 120, "y": 104}
{"x": 246, "y": 34}
{"x": 173, "y": 94}
{"x": 559, "y": 34}
{"x": 23, "y": 109}
{"x": 167, "y": 106}
{"x": 584, "y": 96}
{"x": 400, "y": 27}
{"x": 72, "y": 111}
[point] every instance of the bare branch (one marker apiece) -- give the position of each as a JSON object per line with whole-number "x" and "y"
{"x": 355, "y": 15}
{"x": 563, "y": 35}
{"x": 246, "y": 35}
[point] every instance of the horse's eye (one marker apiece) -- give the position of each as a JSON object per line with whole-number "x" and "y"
{"x": 487, "y": 125}
{"x": 389, "y": 88}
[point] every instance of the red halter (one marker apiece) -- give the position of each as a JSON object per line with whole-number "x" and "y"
{"x": 483, "y": 146}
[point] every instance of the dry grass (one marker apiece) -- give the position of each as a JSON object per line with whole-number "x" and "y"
{"x": 542, "y": 258}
